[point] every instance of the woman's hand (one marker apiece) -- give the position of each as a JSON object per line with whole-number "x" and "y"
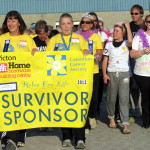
{"x": 147, "y": 50}
{"x": 106, "y": 79}
{"x": 86, "y": 52}
{"x": 33, "y": 51}
{"x": 127, "y": 24}
{"x": 47, "y": 40}
{"x": 97, "y": 57}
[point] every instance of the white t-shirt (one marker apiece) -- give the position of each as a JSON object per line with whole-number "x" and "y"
{"x": 118, "y": 57}
{"x": 103, "y": 36}
{"x": 142, "y": 64}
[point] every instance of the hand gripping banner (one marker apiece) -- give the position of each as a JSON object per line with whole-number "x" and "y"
{"x": 49, "y": 89}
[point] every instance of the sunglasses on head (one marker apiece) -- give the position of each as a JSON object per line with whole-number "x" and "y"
{"x": 85, "y": 22}
{"x": 147, "y": 21}
{"x": 134, "y": 13}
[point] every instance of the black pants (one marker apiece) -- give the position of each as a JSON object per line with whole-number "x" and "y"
{"x": 101, "y": 87}
{"x": 16, "y": 136}
{"x": 95, "y": 97}
{"x": 93, "y": 109}
{"x": 144, "y": 86}
{"x": 78, "y": 133}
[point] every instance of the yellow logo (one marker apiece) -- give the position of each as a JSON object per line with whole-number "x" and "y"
{"x": 124, "y": 48}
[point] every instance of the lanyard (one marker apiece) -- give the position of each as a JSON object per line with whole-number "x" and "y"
{"x": 66, "y": 48}
{"x": 7, "y": 42}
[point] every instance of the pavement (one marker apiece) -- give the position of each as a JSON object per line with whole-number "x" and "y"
{"x": 101, "y": 138}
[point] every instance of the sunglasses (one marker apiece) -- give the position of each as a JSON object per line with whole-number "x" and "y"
{"x": 147, "y": 21}
{"x": 134, "y": 13}
{"x": 85, "y": 22}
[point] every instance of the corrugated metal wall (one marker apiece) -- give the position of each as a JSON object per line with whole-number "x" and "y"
{"x": 61, "y": 6}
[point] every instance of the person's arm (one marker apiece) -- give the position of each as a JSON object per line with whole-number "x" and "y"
{"x": 99, "y": 49}
{"x": 47, "y": 39}
{"x": 32, "y": 46}
{"x": 84, "y": 46}
{"x": 104, "y": 69}
{"x": 129, "y": 34}
{"x": 33, "y": 51}
{"x": 51, "y": 44}
{"x": 137, "y": 54}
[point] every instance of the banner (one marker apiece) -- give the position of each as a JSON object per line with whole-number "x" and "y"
{"x": 49, "y": 89}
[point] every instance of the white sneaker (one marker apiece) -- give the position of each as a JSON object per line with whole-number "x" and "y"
{"x": 93, "y": 123}
{"x": 87, "y": 131}
{"x": 80, "y": 145}
{"x": 67, "y": 143}
{"x": 11, "y": 145}
{"x": 20, "y": 144}
{"x": 50, "y": 129}
{"x": 42, "y": 129}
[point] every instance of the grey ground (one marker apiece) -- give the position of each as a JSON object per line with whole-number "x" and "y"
{"x": 101, "y": 138}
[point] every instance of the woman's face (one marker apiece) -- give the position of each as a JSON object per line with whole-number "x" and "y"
{"x": 66, "y": 26}
{"x": 42, "y": 35}
{"x": 95, "y": 20}
{"x": 86, "y": 24}
{"x": 147, "y": 23}
{"x": 101, "y": 25}
{"x": 13, "y": 25}
{"x": 118, "y": 34}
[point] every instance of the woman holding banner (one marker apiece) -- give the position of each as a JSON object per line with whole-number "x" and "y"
{"x": 65, "y": 42}
{"x": 95, "y": 46}
{"x": 13, "y": 39}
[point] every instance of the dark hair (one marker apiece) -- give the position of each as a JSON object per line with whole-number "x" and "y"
{"x": 65, "y": 15}
{"x": 143, "y": 26}
{"x": 53, "y": 33}
{"x": 32, "y": 24}
{"x": 41, "y": 24}
{"x": 137, "y": 7}
{"x": 14, "y": 15}
{"x": 94, "y": 14}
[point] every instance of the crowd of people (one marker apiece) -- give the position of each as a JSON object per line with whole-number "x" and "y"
{"x": 121, "y": 61}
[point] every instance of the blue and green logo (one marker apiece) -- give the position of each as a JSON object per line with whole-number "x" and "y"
{"x": 56, "y": 65}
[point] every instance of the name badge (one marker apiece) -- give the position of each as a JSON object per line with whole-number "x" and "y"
{"x": 23, "y": 42}
{"x": 76, "y": 40}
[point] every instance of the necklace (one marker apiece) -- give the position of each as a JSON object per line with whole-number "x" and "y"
{"x": 86, "y": 35}
{"x": 66, "y": 47}
{"x": 142, "y": 35}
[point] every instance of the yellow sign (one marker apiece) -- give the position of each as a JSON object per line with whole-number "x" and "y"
{"x": 50, "y": 89}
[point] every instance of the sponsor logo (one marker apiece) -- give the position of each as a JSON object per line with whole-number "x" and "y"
{"x": 5, "y": 58}
{"x": 3, "y": 67}
{"x": 56, "y": 65}
{"x": 82, "y": 82}
{"x": 12, "y": 65}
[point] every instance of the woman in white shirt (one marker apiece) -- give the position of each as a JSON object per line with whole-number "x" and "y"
{"x": 116, "y": 74}
{"x": 141, "y": 52}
